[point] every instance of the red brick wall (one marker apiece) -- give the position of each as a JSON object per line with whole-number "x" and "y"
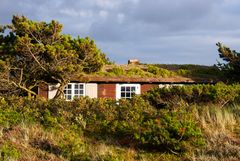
{"x": 104, "y": 90}
{"x": 107, "y": 91}
{"x": 43, "y": 91}
{"x": 147, "y": 87}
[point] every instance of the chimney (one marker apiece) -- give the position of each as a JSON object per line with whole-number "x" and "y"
{"x": 133, "y": 62}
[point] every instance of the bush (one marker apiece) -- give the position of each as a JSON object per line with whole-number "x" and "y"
{"x": 200, "y": 94}
{"x": 136, "y": 123}
{"x": 130, "y": 122}
{"x": 137, "y": 72}
{"x": 117, "y": 71}
{"x": 9, "y": 118}
{"x": 8, "y": 152}
{"x": 184, "y": 72}
{"x": 159, "y": 71}
{"x": 171, "y": 131}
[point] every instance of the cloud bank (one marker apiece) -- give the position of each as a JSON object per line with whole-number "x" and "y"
{"x": 154, "y": 31}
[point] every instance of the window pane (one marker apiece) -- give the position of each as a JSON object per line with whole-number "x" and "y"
{"x": 133, "y": 89}
{"x": 76, "y": 86}
{"x": 81, "y": 92}
{"x": 127, "y": 95}
{"x": 81, "y": 86}
{"x": 69, "y": 97}
{"x": 69, "y": 91}
{"x": 75, "y": 91}
{"x": 128, "y": 91}
{"x": 69, "y": 86}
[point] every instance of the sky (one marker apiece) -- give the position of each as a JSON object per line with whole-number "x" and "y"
{"x": 153, "y": 31}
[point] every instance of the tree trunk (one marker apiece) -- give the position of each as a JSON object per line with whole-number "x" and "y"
{"x": 24, "y": 88}
{"x": 60, "y": 91}
{"x": 29, "y": 95}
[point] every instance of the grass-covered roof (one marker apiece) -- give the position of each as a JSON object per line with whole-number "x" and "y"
{"x": 153, "y": 73}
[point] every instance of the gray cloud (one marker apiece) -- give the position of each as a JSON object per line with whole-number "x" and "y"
{"x": 155, "y": 31}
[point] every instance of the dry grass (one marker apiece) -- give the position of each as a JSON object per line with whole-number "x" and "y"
{"x": 21, "y": 137}
{"x": 219, "y": 126}
{"x": 30, "y": 139}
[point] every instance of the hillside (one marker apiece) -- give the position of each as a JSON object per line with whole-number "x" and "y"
{"x": 159, "y": 125}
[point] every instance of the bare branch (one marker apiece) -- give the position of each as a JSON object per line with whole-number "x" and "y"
{"x": 35, "y": 58}
{"x": 21, "y": 76}
{"x": 34, "y": 37}
{"x": 22, "y": 87}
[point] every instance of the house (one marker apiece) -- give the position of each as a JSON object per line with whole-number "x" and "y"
{"x": 116, "y": 87}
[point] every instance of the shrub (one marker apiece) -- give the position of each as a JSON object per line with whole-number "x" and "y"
{"x": 72, "y": 147}
{"x": 136, "y": 123}
{"x": 184, "y": 72}
{"x": 117, "y": 71}
{"x": 9, "y": 118}
{"x": 200, "y": 94}
{"x": 136, "y": 72}
{"x": 130, "y": 122}
{"x": 8, "y": 152}
{"x": 159, "y": 71}
{"x": 129, "y": 116}
{"x": 171, "y": 131}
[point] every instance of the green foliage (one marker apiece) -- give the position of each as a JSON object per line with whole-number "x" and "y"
{"x": 32, "y": 53}
{"x": 130, "y": 72}
{"x": 87, "y": 50}
{"x": 159, "y": 71}
{"x": 9, "y": 117}
{"x": 132, "y": 122}
{"x": 8, "y": 152}
{"x": 138, "y": 123}
{"x": 135, "y": 122}
{"x": 204, "y": 72}
{"x": 184, "y": 72}
{"x": 231, "y": 67}
{"x": 73, "y": 130}
{"x": 2, "y": 66}
{"x": 73, "y": 148}
{"x": 207, "y": 72}
{"x": 201, "y": 94}
{"x": 191, "y": 70}
{"x": 171, "y": 130}
{"x": 137, "y": 72}
{"x": 117, "y": 71}
{"x": 48, "y": 120}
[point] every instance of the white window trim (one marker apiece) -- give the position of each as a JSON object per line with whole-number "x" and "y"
{"x": 73, "y": 90}
{"x": 52, "y": 90}
{"x": 118, "y": 89}
{"x": 169, "y": 85}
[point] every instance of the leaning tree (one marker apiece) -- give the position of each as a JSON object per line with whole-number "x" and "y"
{"x": 231, "y": 66}
{"x": 32, "y": 53}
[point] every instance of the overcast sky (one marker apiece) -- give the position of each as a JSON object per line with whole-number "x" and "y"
{"x": 154, "y": 31}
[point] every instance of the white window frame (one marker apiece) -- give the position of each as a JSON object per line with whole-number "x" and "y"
{"x": 72, "y": 91}
{"x": 52, "y": 90}
{"x": 169, "y": 85}
{"x": 118, "y": 89}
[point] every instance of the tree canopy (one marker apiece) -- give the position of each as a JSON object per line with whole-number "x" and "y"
{"x": 32, "y": 53}
{"x": 231, "y": 67}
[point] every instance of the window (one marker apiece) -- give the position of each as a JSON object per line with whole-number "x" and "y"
{"x": 169, "y": 85}
{"x": 127, "y": 91}
{"x": 74, "y": 90}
